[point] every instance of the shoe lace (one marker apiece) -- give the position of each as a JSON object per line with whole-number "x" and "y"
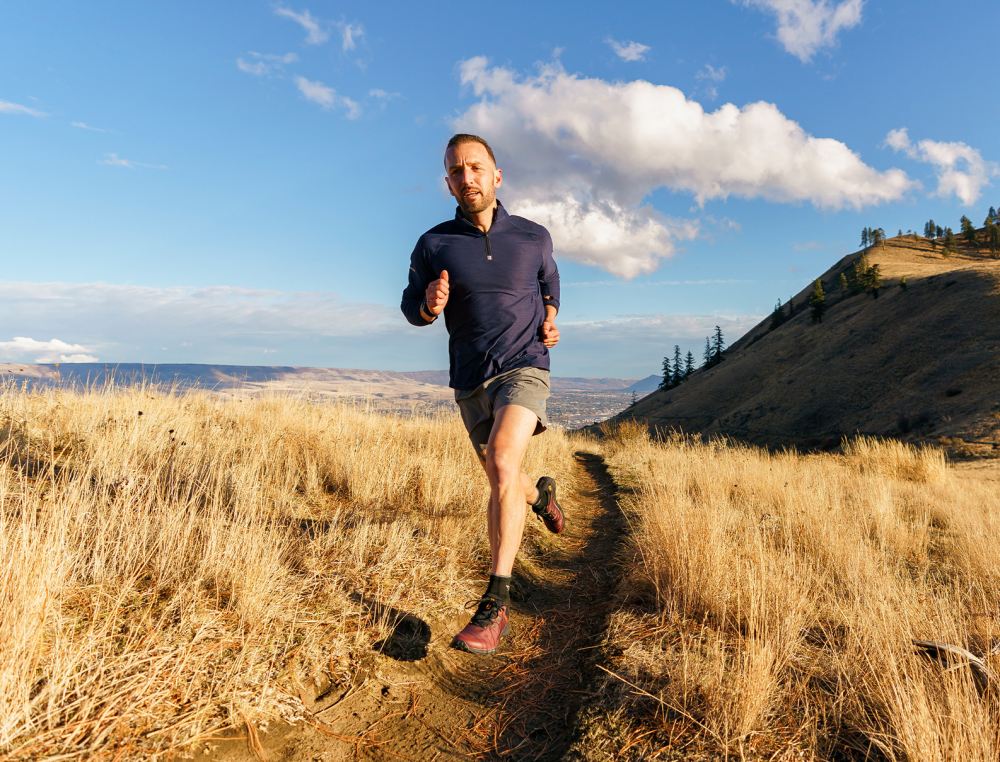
{"x": 487, "y": 610}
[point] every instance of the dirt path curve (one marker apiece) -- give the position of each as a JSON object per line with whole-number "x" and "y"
{"x": 521, "y": 703}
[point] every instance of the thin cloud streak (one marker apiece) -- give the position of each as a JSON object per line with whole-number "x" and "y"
{"x": 114, "y": 160}
{"x": 326, "y": 97}
{"x": 17, "y": 109}
{"x": 630, "y": 51}
{"x": 657, "y": 283}
{"x": 315, "y": 33}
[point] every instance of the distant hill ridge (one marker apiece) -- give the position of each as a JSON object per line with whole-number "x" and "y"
{"x": 921, "y": 362}
{"x": 217, "y": 377}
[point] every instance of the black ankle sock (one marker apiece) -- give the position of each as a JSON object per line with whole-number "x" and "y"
{"x": 499, "y": 589}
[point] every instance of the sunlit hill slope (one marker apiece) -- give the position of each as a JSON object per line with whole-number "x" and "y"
{"x": 920, "y": 362}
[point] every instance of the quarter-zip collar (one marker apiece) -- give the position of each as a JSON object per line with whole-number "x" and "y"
{"x": 500, "y": 215}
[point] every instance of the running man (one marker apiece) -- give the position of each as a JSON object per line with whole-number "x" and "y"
{"x": 501, "y": 326}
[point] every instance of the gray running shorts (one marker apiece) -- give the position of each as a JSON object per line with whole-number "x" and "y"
{"x": 527, "y": 387}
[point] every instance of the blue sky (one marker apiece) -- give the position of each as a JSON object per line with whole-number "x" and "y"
{"x": 243, "y": 182}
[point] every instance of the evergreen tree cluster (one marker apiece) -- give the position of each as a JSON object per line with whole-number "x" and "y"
{"x": 871, "y": 237}
{"x": 715, "y": 345}
{"x": 676, "y": 370}
{"x": 967, "y": 231}
{"x": 817, "y": 301}
{"x": 863, "y": 277}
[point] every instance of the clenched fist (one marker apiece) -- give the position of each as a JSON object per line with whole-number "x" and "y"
{"x": 436, "y": 296}
{"x": 549, "y": 334}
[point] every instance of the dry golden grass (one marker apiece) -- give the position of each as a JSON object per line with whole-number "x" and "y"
{"x": 784, "y": 595}
{"x": 171, "y": 565}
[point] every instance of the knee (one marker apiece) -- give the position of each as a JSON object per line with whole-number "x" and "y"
{"x": 503, "y": 470}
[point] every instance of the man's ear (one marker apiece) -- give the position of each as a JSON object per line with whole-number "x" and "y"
{"x": 448, "y": 186}
{"x": 499, "y": 177}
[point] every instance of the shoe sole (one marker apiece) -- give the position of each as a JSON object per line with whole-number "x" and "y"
{"x": 461, "y": 645}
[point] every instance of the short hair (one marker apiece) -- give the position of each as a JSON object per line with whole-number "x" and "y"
{"x": 464, "y": 137}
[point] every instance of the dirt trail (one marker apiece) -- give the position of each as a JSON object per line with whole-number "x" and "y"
{"x": 521, "y": 703}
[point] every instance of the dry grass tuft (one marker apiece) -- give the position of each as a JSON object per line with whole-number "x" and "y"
{"x": 788, "y": 591}
{"x": 172, "y": 565}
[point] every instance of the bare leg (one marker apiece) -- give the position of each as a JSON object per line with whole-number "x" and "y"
{"x": 510, "y": 487}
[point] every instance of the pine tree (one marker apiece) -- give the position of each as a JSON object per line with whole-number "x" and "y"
{"x": 874, "y": 280}
{"x": 718, "y": 345}
{"x": 939, "y": 232}
{"x": 930, "y": 233}
{"x": 949, "y": 241}
{"x": 678, "y": 365}
{"x": 993, "y": 237}
{"x": 842, "y": 282}
{"x": 993, "y": 214}
{"x": 708, "y": 353}
{"x": 817, "y": 301}
{"x": 635, "y": 398}
{"x": 777, "y": 315}
{"x": 859, "y": 273}
{"x": 903, "y": 283}
{"x": 688, "y": 365}
{"x": 668, "y": 374}
{"x": 968, "y": 229}
{"x": 864, "y": 238}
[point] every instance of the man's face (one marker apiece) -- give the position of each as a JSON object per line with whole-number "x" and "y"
{"x": 472, "y": 178}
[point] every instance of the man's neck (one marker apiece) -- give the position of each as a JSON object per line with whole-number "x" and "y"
{"x": 484, "y": 219}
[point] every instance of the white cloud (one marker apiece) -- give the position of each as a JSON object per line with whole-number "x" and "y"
{"x": 349, "y": 35}
{"x": 582, "y": 155}
{"x": 634, "y": 345}
{"x": 628, "y": 51}
{"x": 114, "y": 160}
{"x": 316, "y": 34}
{"x": 711, "y": 76}
{"x": 352, "y": 107}
{"x": 381, "y": 95}
{"x": 806, "y": 26}
{"x": 22, "y": 348}
{"x": 961, "y": 169}
{"x": 208, "y": 324}
{"x": 264, "y": 64}
{"x": 326, "y": 97}
{"x": 85, "y": 126}
{"x": 6, "y": 107}
{"x": 317, "y": 92}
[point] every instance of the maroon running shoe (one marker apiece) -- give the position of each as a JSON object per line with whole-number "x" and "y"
{"x": 482, "y": 635}
{"x": 547, "y": 508}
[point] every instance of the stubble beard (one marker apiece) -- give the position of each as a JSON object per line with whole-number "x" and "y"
{"x": 479, "y": 203}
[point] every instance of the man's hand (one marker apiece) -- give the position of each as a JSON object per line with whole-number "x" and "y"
{"x": 549, "y": 333}
{"x": 436, "y": 296}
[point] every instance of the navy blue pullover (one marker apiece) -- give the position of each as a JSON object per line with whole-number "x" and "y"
{"x": 499, "y": 283}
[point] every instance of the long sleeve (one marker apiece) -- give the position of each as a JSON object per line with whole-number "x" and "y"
{"x": 413, "y": 294}
{"x": 548, "y": 277}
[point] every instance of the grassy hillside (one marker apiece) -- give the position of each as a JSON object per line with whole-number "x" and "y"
{"x": 774, "y": 600}
{"x": 176, "y": 565}
{"x": 921, "y": 363}
{"x": 189, "y": 575}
